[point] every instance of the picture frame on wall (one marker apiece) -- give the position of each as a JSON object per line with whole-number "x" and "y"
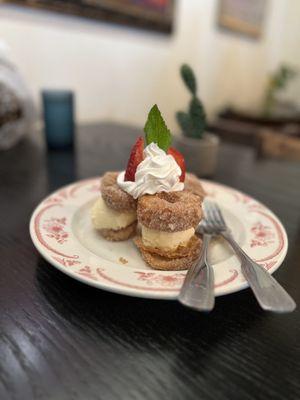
{"x": 245, "y": 17}
{"x": 156, "y": 15}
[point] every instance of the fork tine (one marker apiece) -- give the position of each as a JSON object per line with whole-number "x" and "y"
{"x": 215, "y": 215}
{"x": 219, "y": 214}
{"x": 208, "y": 214}
{"x": 205, "y": 211}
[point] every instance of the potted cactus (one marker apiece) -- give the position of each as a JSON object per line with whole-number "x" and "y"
{"x": 199, "y": 147}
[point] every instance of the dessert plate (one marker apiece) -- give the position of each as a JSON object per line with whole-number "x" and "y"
{"x": 61, "y": 231}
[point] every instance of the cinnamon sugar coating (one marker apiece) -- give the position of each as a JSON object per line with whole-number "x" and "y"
{"x": 120, "y": 234}
{"x": 114, "y": 196}
{"x": 181, "y": 259}
{"x": 192, "y": 184}
{"x": 169, "y": 212}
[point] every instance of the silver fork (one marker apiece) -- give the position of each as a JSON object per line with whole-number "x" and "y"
{"x": 268, "y": 292}
{"x": 197, "y": 290}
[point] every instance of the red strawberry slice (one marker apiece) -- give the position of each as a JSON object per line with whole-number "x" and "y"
{"x": 136, "y": 156}
{"x": 180, "y": 161}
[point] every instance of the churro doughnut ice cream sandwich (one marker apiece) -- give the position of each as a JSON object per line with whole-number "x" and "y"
{"x": 155, "y": 194}
{"x": 168, "y": 222}
{"x": 114, "y": 212}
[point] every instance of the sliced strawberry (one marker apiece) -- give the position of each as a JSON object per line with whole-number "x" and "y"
{"x": 180, "y": 161}
{"x": 136, "y": 156}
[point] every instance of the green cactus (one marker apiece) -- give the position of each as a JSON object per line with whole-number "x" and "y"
{"x": 192, "y": 122}
{"x": 278, "y": 81}
{"x": 189, "y": 78}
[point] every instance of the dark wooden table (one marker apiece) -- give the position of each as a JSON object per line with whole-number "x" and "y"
{"x": 60, "y": 339}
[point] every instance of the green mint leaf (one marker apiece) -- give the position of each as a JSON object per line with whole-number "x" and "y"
{"x": 156, "y": 129}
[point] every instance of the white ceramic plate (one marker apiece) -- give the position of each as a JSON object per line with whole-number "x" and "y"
{"x": 61, "y": 230}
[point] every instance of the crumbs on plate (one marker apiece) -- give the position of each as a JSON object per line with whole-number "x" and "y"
{"x": 123, "y": 260}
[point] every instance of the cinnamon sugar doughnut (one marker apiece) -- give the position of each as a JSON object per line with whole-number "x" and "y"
{"x": 169, "y": 212}
{"x": 114, "y": 196}
{"x": 192, "y": 184}
{"x": 179, "y": 260}
{"x": 120, "y": 234}
{"x": 179, "y": 252}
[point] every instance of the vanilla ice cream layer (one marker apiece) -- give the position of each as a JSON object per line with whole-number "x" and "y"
{"x": 166, "y": 240}
{"x": 104, "y": 217}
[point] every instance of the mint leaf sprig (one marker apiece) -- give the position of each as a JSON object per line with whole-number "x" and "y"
{"x": 156, "y": 129}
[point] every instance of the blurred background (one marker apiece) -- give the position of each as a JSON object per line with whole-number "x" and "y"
{"x": 119, "y": 57}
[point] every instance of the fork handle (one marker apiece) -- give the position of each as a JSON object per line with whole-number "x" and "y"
{"x": 269, "y": 293}
{"x": 198, "y": 287}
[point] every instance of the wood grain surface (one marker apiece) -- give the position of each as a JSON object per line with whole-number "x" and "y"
{"x": 62, "y": 340}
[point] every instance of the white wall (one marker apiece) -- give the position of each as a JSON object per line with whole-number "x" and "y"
{"x": 290, "y": 47}
{"x": 119, "y": 73}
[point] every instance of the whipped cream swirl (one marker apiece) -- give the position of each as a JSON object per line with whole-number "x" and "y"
{"x": 158, "y": 172}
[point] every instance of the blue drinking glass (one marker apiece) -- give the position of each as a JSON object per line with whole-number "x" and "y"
{"x": 58, "y": 107}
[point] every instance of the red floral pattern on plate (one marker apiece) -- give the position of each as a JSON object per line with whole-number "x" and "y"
{"x": 55, "y": 229}
{"x": 83, "y": 184}
{"x": 66, "y": 262}
{"x": 87, "y": 272}
{"x": 268, "y": 265}
{"x": 263, "y": 235}
{"x": 170, "y": 283}
{"x": 52, "y": 200}
{"x": 152, "y": 278}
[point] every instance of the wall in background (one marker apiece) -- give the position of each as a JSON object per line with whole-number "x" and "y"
{"x": 290, "y": 47}
{"x": 119, "y": 73}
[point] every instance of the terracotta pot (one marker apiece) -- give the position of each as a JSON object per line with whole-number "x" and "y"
{"x": 200, "y": 154}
